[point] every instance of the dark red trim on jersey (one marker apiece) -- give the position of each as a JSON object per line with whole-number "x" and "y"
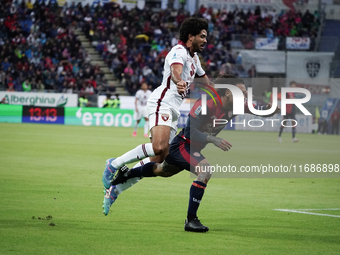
{"x": 187, "y": 140}
{"x": 144, "y": 150}
{"x": 161, "y": 98}
{"x": 176, "y": 63}
{"x": 185, "y": 46}
{"x": 193, "y": 162}
{"x": 197, "y": 185}
{"x": 182, "y": 43}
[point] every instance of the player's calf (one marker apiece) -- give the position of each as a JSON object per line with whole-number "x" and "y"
{"x": 166, "y": 170}
{"x": 124, "y": 173}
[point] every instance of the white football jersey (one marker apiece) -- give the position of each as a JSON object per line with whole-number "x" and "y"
{"x": 166, "y": 94}
{"x": 142, "y": 97}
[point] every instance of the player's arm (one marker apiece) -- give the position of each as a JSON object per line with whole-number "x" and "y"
{"x": 198, "y": 136}
{"x": 136, "y": 104}
{"x": 176, "y": 72}
{"x": 205, "y": 80}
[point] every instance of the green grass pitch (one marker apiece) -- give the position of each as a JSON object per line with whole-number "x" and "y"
{"x": 56, "y": 170}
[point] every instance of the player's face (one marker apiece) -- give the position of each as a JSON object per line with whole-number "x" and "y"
{"x": 199, "y": 41}
{"x": 242, "y": 87}
{"x": 144, "y": 86}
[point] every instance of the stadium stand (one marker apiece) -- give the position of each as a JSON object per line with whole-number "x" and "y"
{"x": 44, "y": 50}
{"x": 125, "y": 37}
{"x": 329, "y": 42}
{"x": 40, "y": 52}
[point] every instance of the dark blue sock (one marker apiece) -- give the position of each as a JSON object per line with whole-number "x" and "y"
{"x": 293, "y": 132}
{"x": 281, "y": 129}
{"x": 196, "y": 194}
{"x": 142, "y": 171}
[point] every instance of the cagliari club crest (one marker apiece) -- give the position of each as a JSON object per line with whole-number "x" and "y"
{"x": 313, "y": 66}
{"x": 196, "y": 154}
{"x": 165, "y": 117}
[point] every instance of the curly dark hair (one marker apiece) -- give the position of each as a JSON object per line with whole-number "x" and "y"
{"x": 192, "y": 26}
{"x": 226, "y": 78}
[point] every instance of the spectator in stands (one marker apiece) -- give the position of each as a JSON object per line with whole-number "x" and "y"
{"x": 26, "y": 86}
{"x": 92, "y": 82}
{"x": 5, "y": 64}
{"x": 10, "y": 85}
{"x": 89, "y": 88}
{"x": 35, "y": 60}
{"x": 75, "y": 69}
{"x": 108, "y": 103}
{"x": 117, "y": 102}
{"x": 39, "y": 28}
{"x": 128, "y": 72}
{"x": 49, "y": 82}
{"x": 83, "y": 101}
{"x": 40, "y": 86}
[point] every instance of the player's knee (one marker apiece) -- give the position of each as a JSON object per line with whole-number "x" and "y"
{"x": 159, "y": 149}
{"x": 203, "y": 177}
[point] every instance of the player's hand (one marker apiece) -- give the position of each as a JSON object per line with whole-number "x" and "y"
{"x": 225, "y": 145}
{"x": 277, "y": 110}
{"x": 181, "y": 87}
{"x": 219, "y": 142}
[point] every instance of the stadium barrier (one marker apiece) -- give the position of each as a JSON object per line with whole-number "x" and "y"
{"x": 88, "y": 116}
{"x": 108, "y": 117}
{"x": 48, "y": 113}
{"x": 40, "y": 99}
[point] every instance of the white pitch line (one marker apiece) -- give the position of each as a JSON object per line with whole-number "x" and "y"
{"x": 319, "y": 214}
{"x": 326, "y": 209}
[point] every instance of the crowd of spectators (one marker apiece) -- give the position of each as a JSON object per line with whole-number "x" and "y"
{"x": 42, "y": 53}
{"x": 39, "y": 52}
{"x": 134, "y": 43}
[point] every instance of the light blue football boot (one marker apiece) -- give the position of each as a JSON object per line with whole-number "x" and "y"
{"x": 109, "y": 173}
{"x": 109, "y": 198}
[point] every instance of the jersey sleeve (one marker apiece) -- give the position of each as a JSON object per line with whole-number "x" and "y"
{"x": 196, "y": 109}
{"x": 177, "y": 56}
{"x": 137, "y": 96}
{"x": 200, "y": 72}
{"x": 196, "y": 120}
